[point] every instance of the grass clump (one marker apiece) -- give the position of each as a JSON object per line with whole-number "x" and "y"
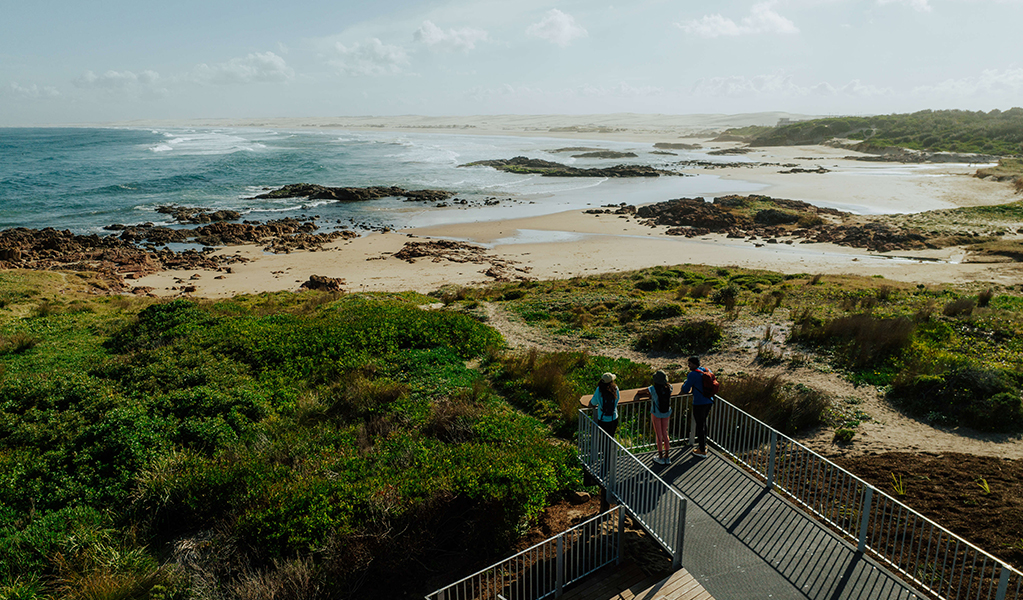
{"x": 789, "y": 408}
{"x": 692, "y": 337}
{"x": 861, "y": 340}
{"x": 548, "y": 384}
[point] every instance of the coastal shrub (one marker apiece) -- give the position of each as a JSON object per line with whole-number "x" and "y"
{"x": 727, "y": 296}
{"x": 768, "y": 302}
{"x": 789, "y": 408}
{"x": 984, "y": 298}
{"x": 701, "y": 290}
{"x": 18, "y": 342}
{"x": 661, "y": 311}
{"x": 692, "y": 337}
{"x": 982, "y": 398}
{"x": 548, "y": 384}
{"x": 959, "y": 307}
{"x": 655, "y": 284}
{"x": 860, "y": 340}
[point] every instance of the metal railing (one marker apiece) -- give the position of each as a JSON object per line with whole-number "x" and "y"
{"x": 652, "y": 502}
{"x": 923, "y": 552}
{"x": 547, "y": 567}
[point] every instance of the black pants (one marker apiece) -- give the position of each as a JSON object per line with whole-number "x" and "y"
{"x": 609, "y": 426}
{"x": 700, "y": 413}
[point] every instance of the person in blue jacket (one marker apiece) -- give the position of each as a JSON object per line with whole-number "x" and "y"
{"x": 701, "y": 403}
{"x": 605, "y": 398}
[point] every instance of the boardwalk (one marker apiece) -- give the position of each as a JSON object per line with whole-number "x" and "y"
{"x": 629, "y": 583}
{"x": 743, "y": 541}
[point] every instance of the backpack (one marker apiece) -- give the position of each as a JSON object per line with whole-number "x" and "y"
{"x": 710, "y": 383}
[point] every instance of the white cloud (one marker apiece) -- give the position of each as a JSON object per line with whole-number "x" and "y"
{"x": 33, "y": 91}
{"x": 780, "y": 85}
{"x": 762, "y": 19}
{"x": 991, "y": 83}
{"x": 622, "y": 90}
{"x": 920, "y": 5}
{"x": 372, "y": 57}
{"x": 117, "y": 80}
{"x": 557, "y": 28}
{"x": 257, "y": 67}
{"x": 435, "y": 38}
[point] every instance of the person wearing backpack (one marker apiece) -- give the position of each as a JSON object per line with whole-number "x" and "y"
{"x": 660, "y": 411}
{"x": 605, "y": 398}
{"x": 703, "y": 400}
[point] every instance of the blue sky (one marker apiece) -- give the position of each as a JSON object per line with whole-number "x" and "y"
{"x": 83, "y": 61}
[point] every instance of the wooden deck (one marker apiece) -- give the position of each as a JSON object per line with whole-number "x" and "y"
{"x": 629, "y": 582}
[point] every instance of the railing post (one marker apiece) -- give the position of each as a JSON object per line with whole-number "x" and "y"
{"x": 561, "y": 565}
{"x": 612, "y": 484}
{"x": 680, "y": 538}
{"x": 770, "y": 459}
{"x": 1003, "y": 583}
{"x": 865, "y": 519}
{"x": 621, "y": 534}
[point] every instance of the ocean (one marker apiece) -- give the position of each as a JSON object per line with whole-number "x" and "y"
{"x": 84, "y": 179}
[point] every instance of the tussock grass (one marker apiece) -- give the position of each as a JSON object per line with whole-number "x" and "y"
{"x": 789, "y": 408}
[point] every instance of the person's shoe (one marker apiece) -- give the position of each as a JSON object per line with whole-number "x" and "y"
{"x": 666, "y": 460}
{"x": 697, "y": 452}
{"x": 659, "y": 460}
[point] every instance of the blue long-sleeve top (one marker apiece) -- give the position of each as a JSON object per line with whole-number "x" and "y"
{"x": 694, "y": 384}
{"x": 598, "y": 399}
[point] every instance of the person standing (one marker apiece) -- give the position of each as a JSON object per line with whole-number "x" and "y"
{"x": 702, "y": 403}
{"x": 605, "y": 398}
{"x": 660, "y": 411}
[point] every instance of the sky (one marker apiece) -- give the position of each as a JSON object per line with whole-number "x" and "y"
{"x": 86, "y": 61}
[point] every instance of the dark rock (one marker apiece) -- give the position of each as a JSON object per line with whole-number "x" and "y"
{"x": 606, "y": 154}
{"x": 354, "y": 194}
{"x": 322, "y": 283}
{"x": 546, "y": 168}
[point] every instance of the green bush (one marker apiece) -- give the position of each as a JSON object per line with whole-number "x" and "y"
{"x": 981, "y": 398}
{"x": 693, "y": 337}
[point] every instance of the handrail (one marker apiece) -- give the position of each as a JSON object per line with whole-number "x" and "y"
{"x": 545, "y": 568}
{"x": 655, "y": 504}
{"x": 924, "y": 552}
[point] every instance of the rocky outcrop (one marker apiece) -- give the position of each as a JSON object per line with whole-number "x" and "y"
{"x": 695, "y": 213}
{"x": 353, "y": 194}
{"x": 546, "y": 168}
{"x": 109, "y": 256}
{"x": 819, "y": 169}
{"x": 323, "y": 283}
{"x": 196, "y": 216}
{"x": 605, "y": 154}
{"x": 460, "y": 252}
{"x": 676, "y": 146}
{"x": 763, "y": 217}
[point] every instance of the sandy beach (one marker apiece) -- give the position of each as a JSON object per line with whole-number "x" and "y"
{"x": 575, "y": 243}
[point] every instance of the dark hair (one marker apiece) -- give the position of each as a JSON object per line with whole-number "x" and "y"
{"x": 607, "y": 390}
{"x": 694, "y": 360}
{"x": 663, "y": 396}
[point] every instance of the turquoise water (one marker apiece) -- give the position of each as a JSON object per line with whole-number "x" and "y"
{"x": 85, "y": 179}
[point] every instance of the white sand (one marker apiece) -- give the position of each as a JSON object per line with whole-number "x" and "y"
{"x": 569, "y": 244}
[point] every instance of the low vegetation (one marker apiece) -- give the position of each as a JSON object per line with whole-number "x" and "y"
{"x": 995, "y": 132}
{"x": 189, "y": 449}
{"x": 311, "y": 442}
